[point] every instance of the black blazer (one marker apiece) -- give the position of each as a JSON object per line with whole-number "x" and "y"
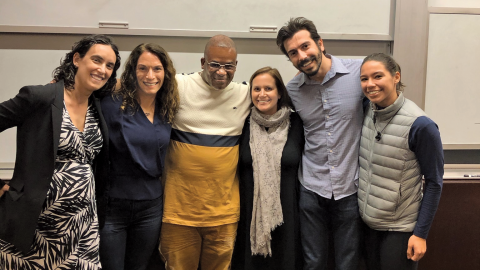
{"x": 37, "y": 113}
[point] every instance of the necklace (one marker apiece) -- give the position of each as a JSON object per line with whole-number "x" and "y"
{"x": 146, "y": 113}
{"x": 378, "y": 137}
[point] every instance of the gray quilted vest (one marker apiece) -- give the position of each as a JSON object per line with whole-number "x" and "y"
{"x": 390, "y": 181}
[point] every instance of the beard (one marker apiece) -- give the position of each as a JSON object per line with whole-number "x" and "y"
{"x": 314, "y": 70}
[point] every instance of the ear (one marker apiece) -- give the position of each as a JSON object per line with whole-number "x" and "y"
{"x": 202, "y": 61}
{"x": 320, "y": 45}
{"x": 76, "y": 59}
{"x": 397, "y": 77}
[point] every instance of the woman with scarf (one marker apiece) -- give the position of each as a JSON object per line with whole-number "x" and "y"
{"x": 270, "y": 152}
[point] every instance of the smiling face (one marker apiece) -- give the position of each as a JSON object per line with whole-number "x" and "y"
{"x": 265, "y": 94}
{"x": 378, "y": 84}
{"x": 150, "y": 74}
{"x": 304, "y": 53}
{"x": 95, "y": 68}
{"x": 218, "y": 78}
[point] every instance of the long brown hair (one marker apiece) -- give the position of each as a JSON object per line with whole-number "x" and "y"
{"x": 167, "y": 97}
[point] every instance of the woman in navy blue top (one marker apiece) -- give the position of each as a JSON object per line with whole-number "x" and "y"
{"x": 139, "y": 116}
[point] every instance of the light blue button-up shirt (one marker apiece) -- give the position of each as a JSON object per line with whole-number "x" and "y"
{"x": 332, "y": 115}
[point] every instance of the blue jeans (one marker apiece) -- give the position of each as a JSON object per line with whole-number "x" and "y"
{"x": 130, "y": 234}
{"x": 320, "y": 218}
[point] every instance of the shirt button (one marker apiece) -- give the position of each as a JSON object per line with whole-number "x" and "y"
{"x": 333, "y": 167}
{"x": 331, "y": 151}
{"x": 328, "y": 117}
{"x": 324, "y": 100}
{"x": 329, "y": 134}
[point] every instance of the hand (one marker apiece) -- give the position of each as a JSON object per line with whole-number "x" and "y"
{"x": 416, "y": 248}
{"x": 4, "y": 188}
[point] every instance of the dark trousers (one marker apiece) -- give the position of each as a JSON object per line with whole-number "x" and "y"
{"x": 387, "y": 250}
{"x": 320, "y": 217}
{"x": 130, "y": 234}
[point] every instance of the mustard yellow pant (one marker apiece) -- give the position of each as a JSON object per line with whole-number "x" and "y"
{"x": 184, "y": 247}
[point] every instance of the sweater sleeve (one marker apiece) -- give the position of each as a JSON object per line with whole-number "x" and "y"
{"x": 424, "y": 140}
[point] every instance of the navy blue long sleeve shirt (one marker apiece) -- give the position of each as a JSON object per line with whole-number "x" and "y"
{"x": 137, "y": 150}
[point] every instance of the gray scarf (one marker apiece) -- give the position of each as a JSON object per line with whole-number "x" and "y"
{"x": 266, "y": 148}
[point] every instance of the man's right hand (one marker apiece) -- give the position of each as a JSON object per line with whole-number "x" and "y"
{"x": 4, "y": 189}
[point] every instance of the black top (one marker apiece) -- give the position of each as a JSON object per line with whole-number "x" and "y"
{"x": 137, "y": 149}
{"x": 286, "y": 248}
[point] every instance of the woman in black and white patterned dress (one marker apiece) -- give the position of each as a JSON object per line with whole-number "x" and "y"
{"x": 48, "y": 215}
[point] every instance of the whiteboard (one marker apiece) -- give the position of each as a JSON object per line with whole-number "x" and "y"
{"x": 453, "y": 78}
{"x": 335, "y": 19}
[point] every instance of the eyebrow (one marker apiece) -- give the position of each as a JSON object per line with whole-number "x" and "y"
{"x": 143, "y": 65}
{"x": 98, "y": 56}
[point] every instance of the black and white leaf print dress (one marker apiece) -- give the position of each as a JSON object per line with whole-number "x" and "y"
{"x": 67, "y": 231}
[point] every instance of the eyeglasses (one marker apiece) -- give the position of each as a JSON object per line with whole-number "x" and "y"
{"x": 215, "y": 66}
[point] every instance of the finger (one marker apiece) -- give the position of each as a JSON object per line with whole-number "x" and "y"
{"x": 409, "y": 252}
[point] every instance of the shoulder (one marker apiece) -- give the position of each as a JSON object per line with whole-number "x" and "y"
{"x": 110, "y": 104}
{"x": 423, "y": 123}
{"x": 348, "y": 62}
{"x": 295, "y": 121}
{"x": 187, "y": 76}
{"x": 294, "y": 83}
{"x": 294, "y": 117}
{"x": 410, "y": 109}
{"x": 41, "y": 94}
{"x": 240, "y": 89}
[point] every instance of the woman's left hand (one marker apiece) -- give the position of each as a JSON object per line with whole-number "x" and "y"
{"x": 416, "y": 248}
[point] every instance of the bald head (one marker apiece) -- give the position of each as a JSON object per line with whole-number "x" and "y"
{"x": 219, "y": 51}
{"x": 220, "y": 41}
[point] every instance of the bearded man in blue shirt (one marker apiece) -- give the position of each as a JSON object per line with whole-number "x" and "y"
{"x": 328, "y": 97}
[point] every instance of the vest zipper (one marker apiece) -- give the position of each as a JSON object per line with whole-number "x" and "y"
{"x": 369, "y": 175}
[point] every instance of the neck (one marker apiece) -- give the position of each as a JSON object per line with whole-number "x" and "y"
{"x": 77, "y": 96}
{"x": 146, "y": 101}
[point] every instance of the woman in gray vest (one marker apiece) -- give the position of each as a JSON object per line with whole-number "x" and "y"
{"x": 399, "y": 145}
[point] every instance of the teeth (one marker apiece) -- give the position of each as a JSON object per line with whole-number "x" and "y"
{"x": 97, "y": 77}
{"x": 306, "y": 64}
{"x": 373, "y": 92}
{"x": 149, "y": 84}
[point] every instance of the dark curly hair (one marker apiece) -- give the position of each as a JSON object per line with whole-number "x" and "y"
{"x": 285, "y": 100}
{"x": 167, "y": 96}
{"x": 292, "y": 27}
{"x": 67, "y": 70}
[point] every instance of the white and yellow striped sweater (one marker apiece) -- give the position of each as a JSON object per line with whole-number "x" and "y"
{"x": 201, "y": 188}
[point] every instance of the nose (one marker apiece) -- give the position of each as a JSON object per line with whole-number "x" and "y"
{"x": 302, "y": 55}
{"x": 262, "y": 92}
{"x": 370, "y": 83}
{"x": 103, "y": 68}
{"x": 221, "y": 71}
{"x": 150, "y": 74}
